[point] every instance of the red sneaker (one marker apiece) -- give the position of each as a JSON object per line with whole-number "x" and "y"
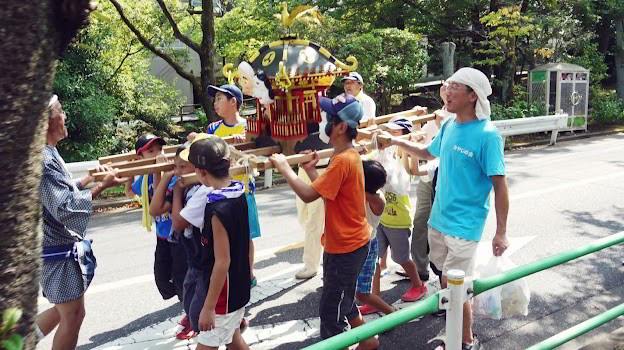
{"x": 185, "y": 334}
{"x": 187, "y": 331}
{"x": 414, "y": 294}
{"x": 367, "y": 309}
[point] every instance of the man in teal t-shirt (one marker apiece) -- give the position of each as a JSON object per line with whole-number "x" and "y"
{"x": 470, "y": 154}
{"x": 471, "y": 165}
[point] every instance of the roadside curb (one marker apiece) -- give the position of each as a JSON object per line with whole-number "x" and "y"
{"x": 111, "y": 203}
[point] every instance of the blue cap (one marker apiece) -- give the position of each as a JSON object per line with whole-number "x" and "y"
{"x": 228, "y": 89}
{"x": 355, "y": 76}
{"x": 345, "y": 107}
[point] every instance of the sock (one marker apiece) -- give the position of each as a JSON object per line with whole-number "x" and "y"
{"x": 39, "y": 333}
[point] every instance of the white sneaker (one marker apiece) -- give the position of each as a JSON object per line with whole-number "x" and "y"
{"x": 305, "y": 274}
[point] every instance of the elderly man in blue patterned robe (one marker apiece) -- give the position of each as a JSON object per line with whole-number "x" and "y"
{"x": 68, "y": 262}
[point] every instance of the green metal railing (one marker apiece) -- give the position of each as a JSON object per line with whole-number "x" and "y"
{"x": 424, "y": 307}
{"x": 579, "y": 329}
{"x": 484, "y": 284}
{"x": 430, "y": 304}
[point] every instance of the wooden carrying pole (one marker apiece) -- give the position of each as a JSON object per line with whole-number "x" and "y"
{"x": 263, "y": 151}
{"x": 367, "y": 133}
{"x": 133, "y": 163}
{"x": 404, "y": 114}
{"x": 412, "y": 115}
{"x": 169, "y": 149}
{"x": 259, "y": 163}
{"x": 255, "y": 156}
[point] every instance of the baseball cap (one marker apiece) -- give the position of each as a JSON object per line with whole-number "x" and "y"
{"x": 208, "y": 152}
{"x": 146, "y": 140}
{"x": 355, "y": 76}
{"x": 345, "y": 107}
{"x": 398, "y": 123}
{"x": 228, "y": 89}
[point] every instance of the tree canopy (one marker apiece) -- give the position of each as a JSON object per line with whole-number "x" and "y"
{"x": 102, "y": 77}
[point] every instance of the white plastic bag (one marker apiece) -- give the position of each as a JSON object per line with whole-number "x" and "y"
{"x": 508, "y": 300}
{"x": 397, "y": 180}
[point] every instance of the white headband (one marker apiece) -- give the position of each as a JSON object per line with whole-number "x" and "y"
{"x": 52, "y": 101}
{"x": 480, "y": 84}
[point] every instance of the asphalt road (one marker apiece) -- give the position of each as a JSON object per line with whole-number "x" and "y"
{"x": 562, "y": 197}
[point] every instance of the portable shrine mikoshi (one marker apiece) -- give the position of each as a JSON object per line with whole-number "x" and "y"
{"x": 297, "y": 72}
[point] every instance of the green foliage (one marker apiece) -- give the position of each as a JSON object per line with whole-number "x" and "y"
{"x": 91, "y": 112}
{"x": 389, "y": 59}
{"x": 506, "y": 27}
{"x": 8, "y": 339}
{"x": 244, "y": 29}
{"x": 515, "y": 110}
{"x": 518, "y": 107}
{"x": 112, "y": 192}
{"x": 152, "y": 101}
{"x": 606, "y": 107}
{"x": 251, "y": 24}
{"x": 103, "y": 84}
{"x": 589, "y": 57}
{"x": 562, "y": 35}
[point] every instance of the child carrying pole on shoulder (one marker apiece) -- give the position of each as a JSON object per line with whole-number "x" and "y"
{"x": 169, "y": 267}
{"x": 346, "y": 234}
{"x": 221, "y": 278}
{"x": 183, "y": 246}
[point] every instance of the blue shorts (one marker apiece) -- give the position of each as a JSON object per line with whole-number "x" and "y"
{"x": 365, "y": 278}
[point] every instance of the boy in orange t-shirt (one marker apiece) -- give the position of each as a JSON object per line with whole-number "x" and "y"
{"x": 346, "y": 236}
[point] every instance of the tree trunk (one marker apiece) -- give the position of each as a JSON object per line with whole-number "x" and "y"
{"x": 603, "y": 30}
{"x": 619, "y": 56}
{"x": 447, "y": 51}
{"x": 33, "y": 33}
{"x": 206, "y": 57}
{"x": 205, "y": 49}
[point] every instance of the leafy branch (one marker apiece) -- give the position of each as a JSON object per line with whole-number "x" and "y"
{"x": 8, "y": 339}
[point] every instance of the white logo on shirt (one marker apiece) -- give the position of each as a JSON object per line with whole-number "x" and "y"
{"x": 463, "y": 151}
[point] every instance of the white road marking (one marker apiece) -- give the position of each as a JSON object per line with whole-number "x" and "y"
{"x": 105, "y": 287}
{"x": 565, "y": 186}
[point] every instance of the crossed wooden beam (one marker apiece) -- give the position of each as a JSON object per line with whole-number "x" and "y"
{"x": 128, "y": 165}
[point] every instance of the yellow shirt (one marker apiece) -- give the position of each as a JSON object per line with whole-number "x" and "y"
{"x": 221, "y": 129}
{"x": 397, "y": 213}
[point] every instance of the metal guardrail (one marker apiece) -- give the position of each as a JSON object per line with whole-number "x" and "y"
{"x": 478, "y": 286}
{"x": 529, "y": 125}
{"x": 579, "y": 329}
{"x": 484, "y": 284}
{"x": 424, "y": 307}
{"x": 81, "y": 169}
